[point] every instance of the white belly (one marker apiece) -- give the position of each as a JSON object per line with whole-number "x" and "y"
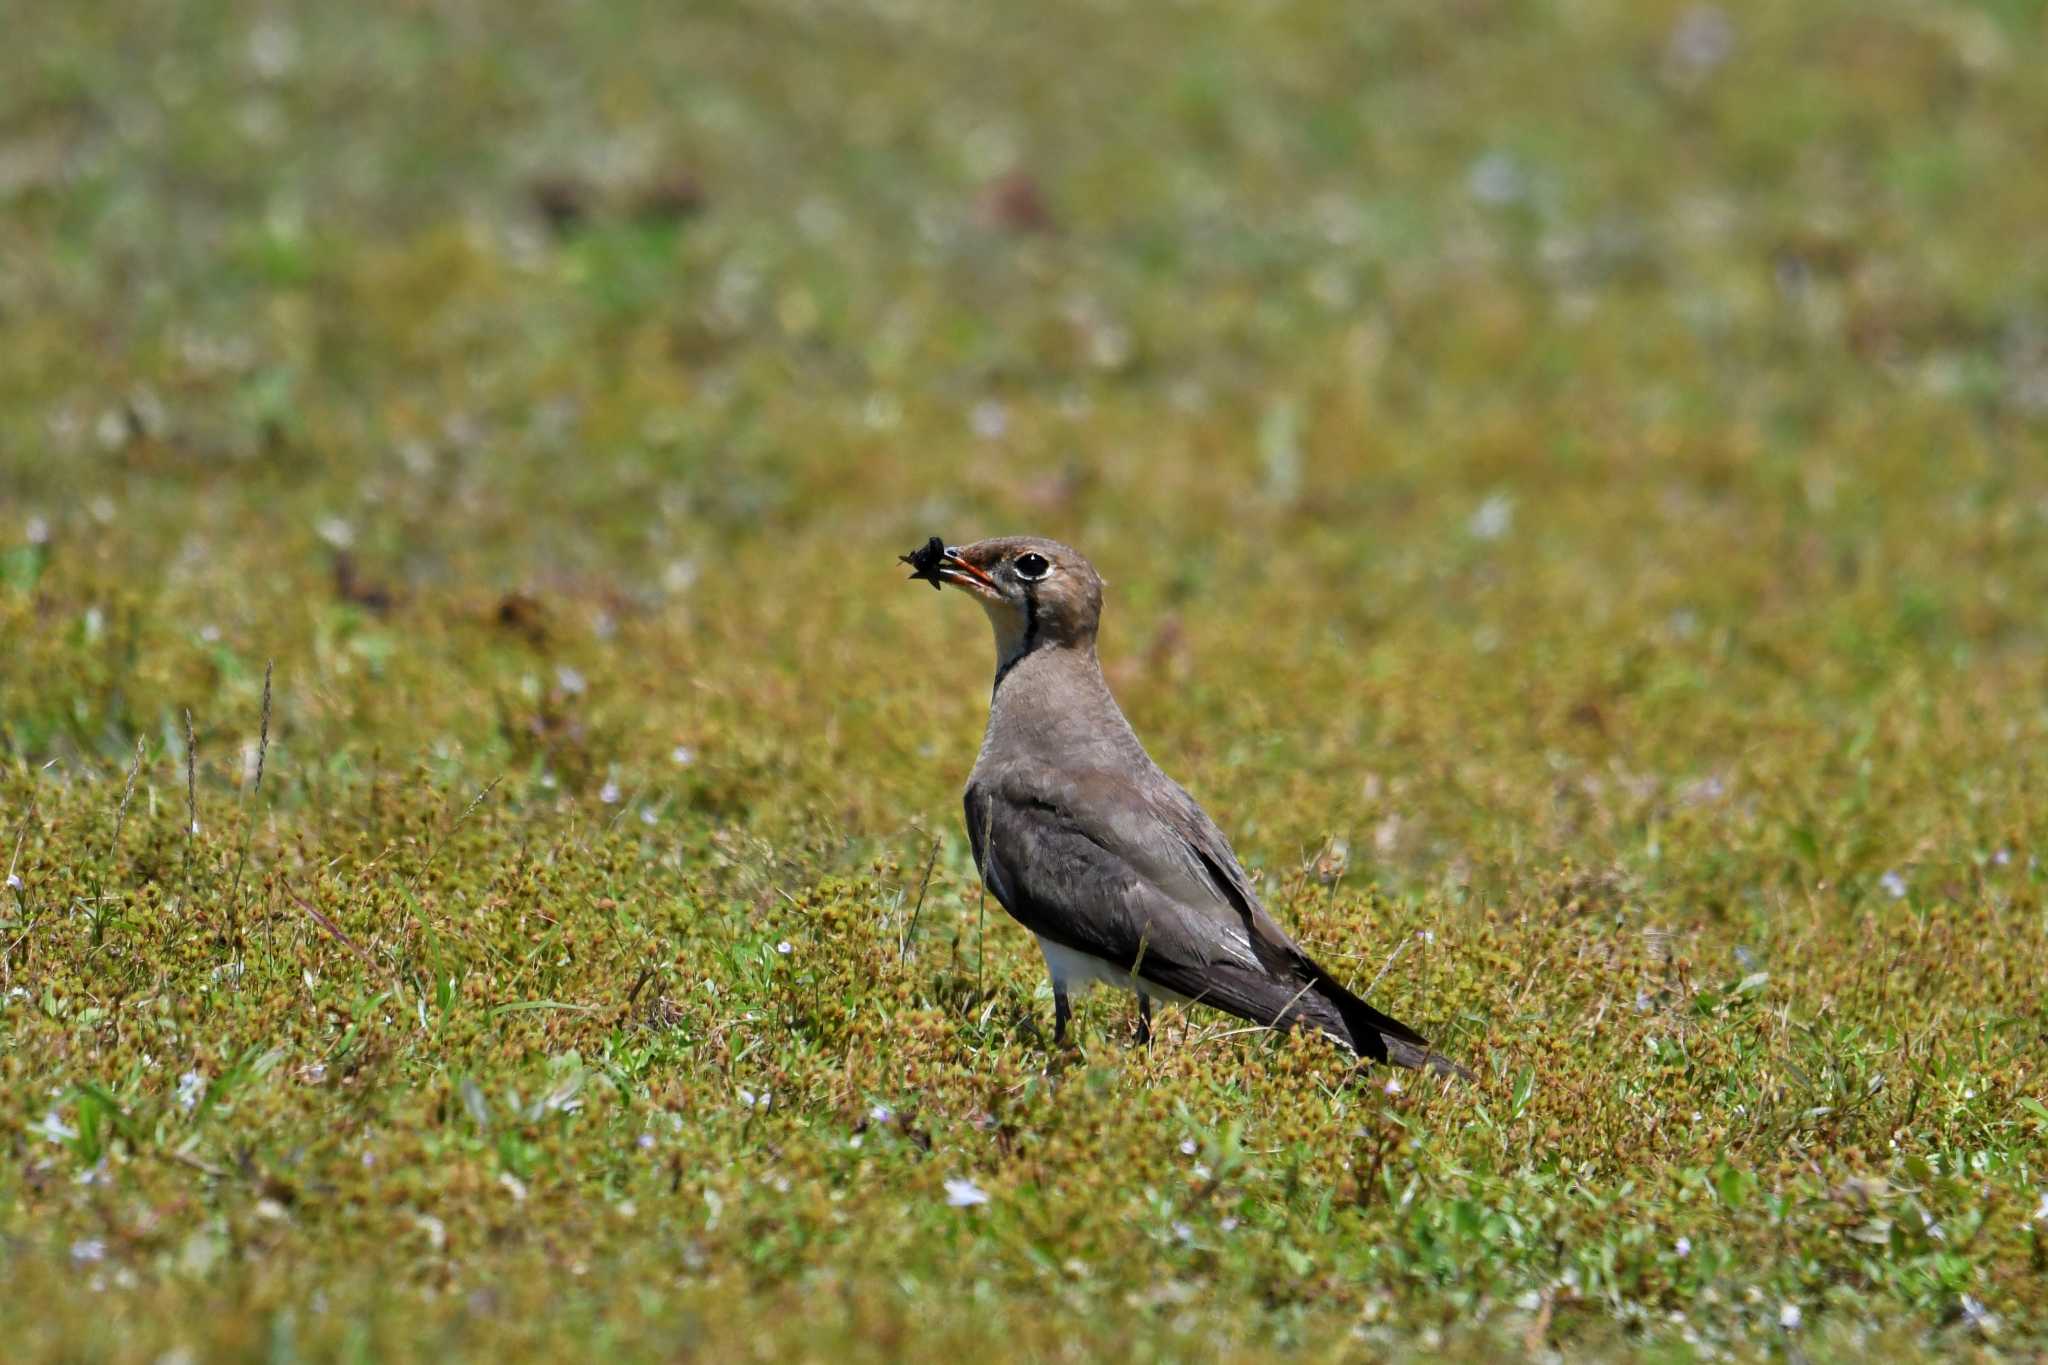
{"x": 1074, "y": 972}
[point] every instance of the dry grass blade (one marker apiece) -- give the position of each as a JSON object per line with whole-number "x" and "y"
{"x": 263, "y": 731}
{"x": 127, "y": 794}
{"x": 924, "y": 885}
{"x": 191, "y": 780}
{"x": 14, "y": 858}
{"x": 334, "y": 930}
{"x": 412, "y": 883}
{"x": 248, "y": 819}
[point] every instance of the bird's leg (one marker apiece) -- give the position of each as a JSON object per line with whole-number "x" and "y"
{"x": 1144, "y": 1019}
{"x": 1061, "y": 1012}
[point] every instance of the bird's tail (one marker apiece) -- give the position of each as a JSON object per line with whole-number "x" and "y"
{"x": 1378, "y": 1036}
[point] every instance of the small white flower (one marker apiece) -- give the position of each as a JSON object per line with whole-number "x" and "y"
{"x": 2003, "y": 857}
{"x": 1492, "y": 518}
{"x": 1200, "y": 1171}
{"x": 1183, "y": 1233}
{"x": 645, "y": 1142}
{"x": 87, "y": 1251}
{"x": 54, "y": 1129}
{"x": 882, "y": 411}
{"x": 1683, "y": 1247}
{"x": 570, "y": 681}
{"x": 1187, "y": 1147}
{"x": 513, "y": 1186}
{"x": 990, "y": 420}
{"x": 1893, "y": 885}
{"x": 1979, "y": 1317}
{"x": 647, "y": 815}
{"x": 273, "y": 49}
{"x": 2041, "y": 1213}
{"x": 1496, "y": 178}
{"x": 1228, "y": 1225}
{"x": 38, "y": 531}
{"x": 682, "y": 755}
{"x": 784, "y": 948}
{"x": 1789, "y": 1317}
{"x": 609, "y": 793}
{"x": 881, "y": 1113}
{"x": 1701, "y": 40}
{"x": 13, "y": 882}
{"x": 753, "y": 1101}
{"x": 963, "y": 1193}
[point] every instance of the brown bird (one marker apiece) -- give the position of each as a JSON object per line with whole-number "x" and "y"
{"x": 1120, "y": 875}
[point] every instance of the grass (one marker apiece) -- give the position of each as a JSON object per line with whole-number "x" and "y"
{"x": 1570, "y": 480}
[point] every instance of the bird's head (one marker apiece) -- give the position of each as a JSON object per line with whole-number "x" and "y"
{"x": 1036, "y": 592}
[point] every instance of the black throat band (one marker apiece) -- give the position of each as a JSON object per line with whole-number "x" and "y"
{"x": 1029, "y": 643}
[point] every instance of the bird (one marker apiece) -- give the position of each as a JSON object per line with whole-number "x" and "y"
{"x": 1124, "y": 880}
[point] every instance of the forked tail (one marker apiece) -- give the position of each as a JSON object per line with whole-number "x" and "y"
{"x": 1381, "y": 1037}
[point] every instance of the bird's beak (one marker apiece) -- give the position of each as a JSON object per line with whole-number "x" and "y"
{"x": 961, "y": 574}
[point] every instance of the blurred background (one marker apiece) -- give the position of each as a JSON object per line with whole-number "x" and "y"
{"x": 552, "y": 386}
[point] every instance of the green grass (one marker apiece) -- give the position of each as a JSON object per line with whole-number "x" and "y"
{"x": 1571, "y": 481}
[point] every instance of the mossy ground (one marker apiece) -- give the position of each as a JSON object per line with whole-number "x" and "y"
{"x": 1571, "y": 482}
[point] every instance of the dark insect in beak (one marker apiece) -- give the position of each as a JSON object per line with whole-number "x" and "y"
{"x": 925, "y": 560}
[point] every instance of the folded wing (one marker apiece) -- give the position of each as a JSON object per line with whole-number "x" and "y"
{"x": 1141, "y": 878}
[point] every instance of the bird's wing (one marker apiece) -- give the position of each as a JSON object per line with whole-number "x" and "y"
{"x": 1207, "y": 845}
{"x": 1093, "y": 861}
{"x": 1140, "y": 877}
{"x": 1362, "y": 1024}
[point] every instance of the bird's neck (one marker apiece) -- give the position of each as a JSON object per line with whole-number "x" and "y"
{"x": 1016, "y": 636}
{"x": 1052, "y": 700}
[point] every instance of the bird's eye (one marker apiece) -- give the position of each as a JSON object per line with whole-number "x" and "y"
{"x": 1032, "y": 565}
